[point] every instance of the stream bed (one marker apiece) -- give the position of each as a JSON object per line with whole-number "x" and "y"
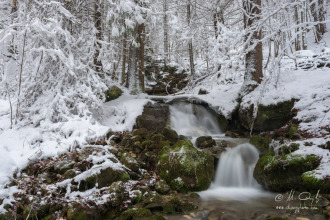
{"x": 234, "y": 193}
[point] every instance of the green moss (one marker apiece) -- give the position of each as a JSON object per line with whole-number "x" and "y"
{"x": 168, "y": 208}
{"x": 142, "y": 132}
{"x": 288, "y": 149}
{"x": 157, "y": 138}
{"x": 112, "y": 93}
{"x": 135, "y": 214}
{"x": 185, "y": 168}
{"x": 170, "y": 135}
{"x": 75, "y": 212}
{"x": 262, "y": 143}
{"x": 313, "y": 183}
{"x": 293, "y": 131}
{"x": 282, "y": 173}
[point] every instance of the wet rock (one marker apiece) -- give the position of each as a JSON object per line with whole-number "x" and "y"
{"x": 215, "y": 152}
{"x": 170, "y": 135}
{"x": 154, "y": 117}
{"x": 205, "y": 142}
{"x": 113, "y": 93}
{"x": 262, "y": 143}
{"x": 162, "y": 187}
{"x": 268, "y": 118}
{"x": 62, "y": 166}
{"x": 185, "y": 168}
{"x": 232, "y": 134}
{"x": 283, "y": 173}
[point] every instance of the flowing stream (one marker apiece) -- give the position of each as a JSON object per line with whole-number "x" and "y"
{"x": 234, "y": 174}
{"x": 234, "y": 194}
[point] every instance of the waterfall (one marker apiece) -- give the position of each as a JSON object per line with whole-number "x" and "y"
{"x": 193, "y": 120}
{"x": 234, "y": 175}
{"x": 235, "y": 168}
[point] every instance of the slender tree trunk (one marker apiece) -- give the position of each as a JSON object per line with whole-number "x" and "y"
{"x": 166, "y": 40}
{"x": 190, "y": 44}
{"x": 254, "y": 57}
{"x": 140, "y": 57}
{"x": 123, "y": 69}
{"x": 20, "y": 79}
{"x": 98, "y": 25}
{"x": 322, "y": 13}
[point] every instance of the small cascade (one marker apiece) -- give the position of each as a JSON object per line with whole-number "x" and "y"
{"x": 235, "y": 168}
{"x": 193, "y": 120}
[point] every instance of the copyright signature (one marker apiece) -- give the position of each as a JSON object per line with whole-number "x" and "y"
{"x": 304, "y": 196}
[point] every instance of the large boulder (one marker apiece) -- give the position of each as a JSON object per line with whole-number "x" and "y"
{"x": 154, "y": 117}
{"x": 185, "y": 168}
{"x": 112, "y": 93}
{"x": 283, "y": 173}
{"x": 268, "y": 118}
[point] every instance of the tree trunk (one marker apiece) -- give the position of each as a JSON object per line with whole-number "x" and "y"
{"x": 166, "y": 41}
{"x": 190, "y": 45}
{"x": 322, "y": 12}
{"x": 123, "y": 69}
{"x": 98, "y": 25}
{"x": 254, "y": 57}
{"x": 140, "y": 56}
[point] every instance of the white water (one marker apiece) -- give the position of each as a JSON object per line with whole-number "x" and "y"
{"x": 235, "y": 168}
{"x": 234, "y": 175}
{"x": 193, "y": 120}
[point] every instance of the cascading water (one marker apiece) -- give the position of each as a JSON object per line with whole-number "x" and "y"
{"x": 235, "y": 168}
{"x": 234, "y": 175}
{"x": 193, "y": 120}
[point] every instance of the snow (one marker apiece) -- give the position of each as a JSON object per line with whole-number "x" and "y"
{"x": 120, "y": 114}
{"x": 310, "y": 88}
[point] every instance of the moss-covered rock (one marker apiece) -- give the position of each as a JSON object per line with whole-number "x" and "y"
{"x": 135, "y": 213}
{"x": 62, "y": 166}
{"x": 205, "y": 142}
{"x": 185, "y": 168}
{"x": 130, "y": 162}
{"x": 105, "y": 178}
{"x": 76, "y": 212}
{"x": 283, "y": 173}
{"x": 154, "y": 117}
{"x": 293, "y": 132}
{"x": 142, "y": 132}
{"x": 162, "y": 187}
{"x": 288, "y": 149}
{"x": 262, "y": 143}
{"x": 313, "y": 183}
{"x": 268, "y": 118}
{"x": 112, "y": 93}
{"x": 170, "y": 135}
{"x": 69, "y": 174}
